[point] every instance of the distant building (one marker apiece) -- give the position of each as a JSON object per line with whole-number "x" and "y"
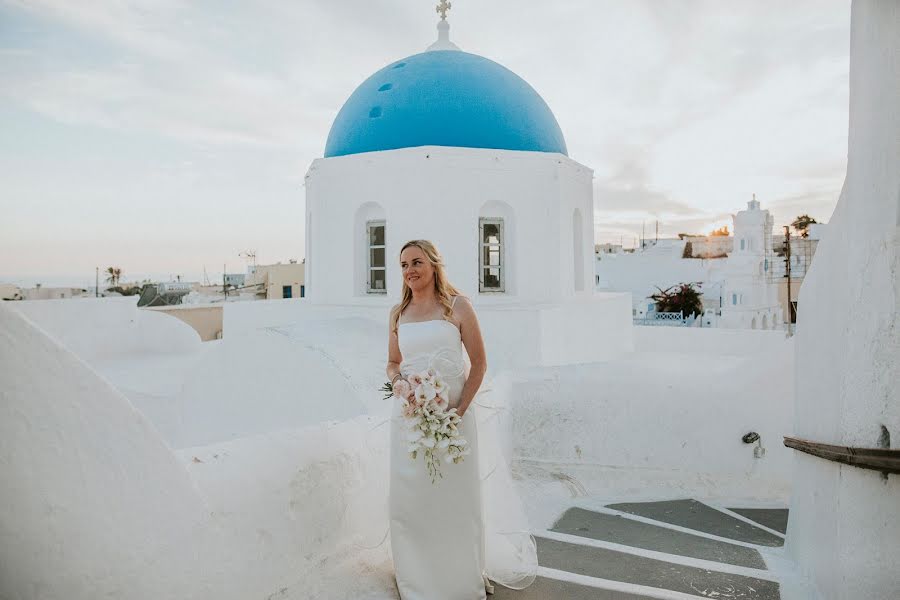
{"x": 39, "y": 292}
{"x": 708, "y": 246}
{"x": 9, "y": 291}
{"x": 750, "y": 300}
{"x": 278, "y": 280}
{"x": 235, "y": 279}
{"x": 742, "y": 277}
{"x": 607, "y": 249}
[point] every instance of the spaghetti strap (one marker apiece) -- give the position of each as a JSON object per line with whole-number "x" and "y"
{"x": 452, "y": 302}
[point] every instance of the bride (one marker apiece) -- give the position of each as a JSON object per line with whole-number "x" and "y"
{"x": 438, "y": 536}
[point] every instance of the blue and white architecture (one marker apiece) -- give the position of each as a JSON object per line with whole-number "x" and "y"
{"x": 453, "y": 147}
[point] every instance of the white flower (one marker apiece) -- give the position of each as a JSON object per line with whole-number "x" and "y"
{"x": 440, "y": 386}
{"x": 425, "y": 392}
{"x": 428, "y": 442}
{"x": 444, "y": 443}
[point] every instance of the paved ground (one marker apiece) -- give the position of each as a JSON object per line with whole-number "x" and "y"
{"x": 634, "y": 548}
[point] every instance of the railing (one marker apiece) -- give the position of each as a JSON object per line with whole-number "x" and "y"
{"x": 668, "y": 319}
{"x": 886, "y": 460}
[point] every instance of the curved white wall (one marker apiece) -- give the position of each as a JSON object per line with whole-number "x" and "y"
{"x": 95, "y": 505}
{"x": 100, "y": 328}
{"x": 844, "y": 531}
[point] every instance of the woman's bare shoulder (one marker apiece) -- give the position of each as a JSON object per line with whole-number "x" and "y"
{"x": 463, "y": 304}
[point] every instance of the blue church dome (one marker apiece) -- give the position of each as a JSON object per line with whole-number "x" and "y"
{"x": 444, "y": 98}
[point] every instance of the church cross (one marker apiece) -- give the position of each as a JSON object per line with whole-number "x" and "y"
{"x": 442, "y": 9}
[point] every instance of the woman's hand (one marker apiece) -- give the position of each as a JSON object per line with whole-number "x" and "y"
{"x": 401, "y": 387}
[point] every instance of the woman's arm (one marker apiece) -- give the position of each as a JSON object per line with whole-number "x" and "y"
{"x": 471, "y": 338}
{"x": 394, "y": 356}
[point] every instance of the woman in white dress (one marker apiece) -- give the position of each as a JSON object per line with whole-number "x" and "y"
{"x": 438, "y": 529}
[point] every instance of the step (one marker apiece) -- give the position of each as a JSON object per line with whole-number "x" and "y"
{"x": 625, "y": 567}
{"x": 700, "y": 517}
{"x": 622, "y": 530}
{"x": 773, "y": 518}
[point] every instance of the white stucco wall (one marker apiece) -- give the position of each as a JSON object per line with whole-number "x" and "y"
{"x": 94, "y": 503}
{"x": 438, "y": 193}
{"x": 844, "y": 531}
{"x": 640, "y": 273}
{"x": 100, "y": 328}
{"x": 664, "y": 422}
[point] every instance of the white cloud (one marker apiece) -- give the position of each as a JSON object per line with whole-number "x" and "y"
{"x": 683, "y": 109}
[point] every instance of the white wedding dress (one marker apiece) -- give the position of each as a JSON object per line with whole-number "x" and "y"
{"x": 441, "y": 547}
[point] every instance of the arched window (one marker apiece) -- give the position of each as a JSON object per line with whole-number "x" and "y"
{"x": 369, "y": 249}
{"x": 377, "y": 282}
{"x": 492, "y": 267}
{"x": 497, "y": 248}
{"x": 753, "y": 323}
{"x": 578, "y": 250}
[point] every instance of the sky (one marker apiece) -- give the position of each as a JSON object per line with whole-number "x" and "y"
{"x": 166, "y": 137}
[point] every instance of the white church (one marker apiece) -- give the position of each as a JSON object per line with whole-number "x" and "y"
{"x": 452, "y": 147}
{"x": 750, "y": 298}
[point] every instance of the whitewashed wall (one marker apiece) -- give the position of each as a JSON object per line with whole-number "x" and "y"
{"x": 658, "y": 423}
{"x": 438, "y": 193}
{"x": 844, "y": 531}
{"x": 94, "y": 503}
{"x": 100, "y": 328}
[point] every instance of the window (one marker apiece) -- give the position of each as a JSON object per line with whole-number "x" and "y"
{"x": 303, "y": 291}
{"x": 375, "y": 258}
{"x": 734, "y": 299}
{"x": 287, "y": 291}
{"x": 491, "y": 267}
{"x": 742, "y": 243}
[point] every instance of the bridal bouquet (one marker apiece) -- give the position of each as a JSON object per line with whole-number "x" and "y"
{"x": 433, "y": 427}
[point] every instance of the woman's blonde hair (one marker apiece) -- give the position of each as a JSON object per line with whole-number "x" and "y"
{"x": 443, "y": 289}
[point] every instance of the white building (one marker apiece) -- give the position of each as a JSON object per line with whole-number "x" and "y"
{"x": 740, "y": 290}
{"x": 452, "y": 147}
{"x": 750, "y": 299}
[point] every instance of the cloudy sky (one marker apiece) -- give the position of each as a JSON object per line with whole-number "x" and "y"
{"x": 165, "y": 136}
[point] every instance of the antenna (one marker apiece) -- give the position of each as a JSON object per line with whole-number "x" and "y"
{"x": 249, "y": 255}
